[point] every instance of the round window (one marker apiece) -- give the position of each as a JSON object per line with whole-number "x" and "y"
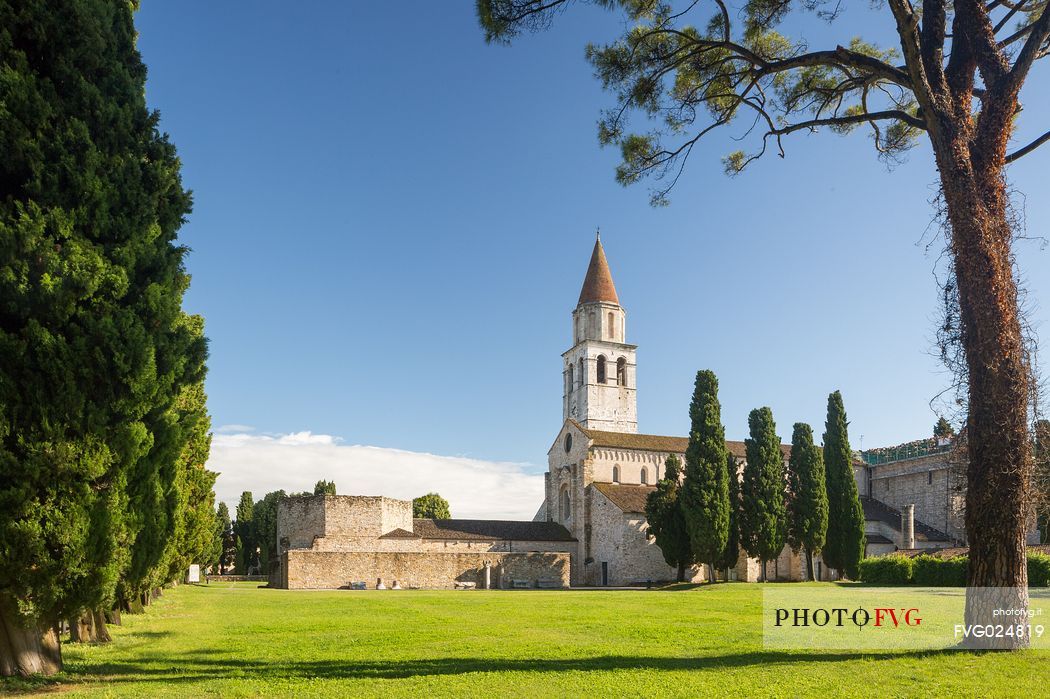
{"x": 568, "y": 442}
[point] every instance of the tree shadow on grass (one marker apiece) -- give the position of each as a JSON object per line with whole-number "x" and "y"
{"x": 200, "y": 665}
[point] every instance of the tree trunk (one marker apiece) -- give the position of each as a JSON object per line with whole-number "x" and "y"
{"x": 1000, "y": 464}
{"x": 809, "y": 565}
{"x": 681, "y": 571}
{"x": 113, "y": 617}
{"x": 89, "y": 627}
{"x": 26, "y": 649}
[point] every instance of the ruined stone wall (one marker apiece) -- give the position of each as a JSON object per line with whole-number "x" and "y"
{"x": 299, "y": 521}
{"x": 364, "y": 516}
{"x": 304, "y": 569}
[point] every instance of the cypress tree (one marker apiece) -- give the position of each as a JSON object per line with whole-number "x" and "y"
{"x": 807, "y": 505}
{"x": 245, "y": 533}
{"x": 762, "y": 518}
{"x": 193, "y": 540}
{"x": 264, "y": 525}
{"x": 663, "y": 513}
{"x": 224, "y": 541}
{"x": 731, "y": 553}
{"x": 91, "y": 280}
{"x": 705, "y": 491}
{"x": 844, "y": 547}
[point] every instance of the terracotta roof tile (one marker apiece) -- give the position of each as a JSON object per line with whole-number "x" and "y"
{"x": 598, "y": 284}
{"x": 490, "y": 530}
{"x": 660, "y": 443}
{"x": 399, "y": 534}
{"x": 629, "y": 498}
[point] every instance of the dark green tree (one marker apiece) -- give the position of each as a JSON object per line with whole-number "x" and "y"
{"x": 731, "y": 553}
{"x": 762, "y": 513}
{"x": 666, "y": 521}
{"x": 807, "y": 496}
{"x": 1042, "y": 479}
{"x": 225, "y": 540}
{"x": 844, "y": 547}
{"x": 159, "y": 489}
{"x": 705, "y": 490}
{"x": 943, "y": 428}
{"x": 193, "y": 540}
{"x": 264, "y": 523}
{"x": 431, "y": 506}
{"x": 952, "y": 78}
{"x": 91, "y": 282}
{"x": 323, "y": 487}
{"x": 245, "y": 532}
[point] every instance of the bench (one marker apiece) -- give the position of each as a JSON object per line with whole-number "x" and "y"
{"x": 465, "y": 585}
{"x": 358, "y": 585}
{"x": 549, "y": 583}
{"x": 519, "y": 584}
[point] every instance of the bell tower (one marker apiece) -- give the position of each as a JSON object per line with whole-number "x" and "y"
{"x": 599, "y": 370}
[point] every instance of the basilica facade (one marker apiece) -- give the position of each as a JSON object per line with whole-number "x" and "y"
{"x": 601, "y": 469}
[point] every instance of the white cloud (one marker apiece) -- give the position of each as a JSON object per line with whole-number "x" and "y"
{"x": 475, "y": 489}
{"x": 230, "y": 429}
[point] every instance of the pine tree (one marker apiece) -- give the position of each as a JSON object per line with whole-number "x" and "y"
{"x": 431, "y": 506}
{"x": 844, "y": 547}
{"x": 762, "y": 519}
{"x": 245, "y": 532}
{"x": 666, "y": 521}
{"x": 731, "y": 553}
{"x": 92, "y": 281}
{"x": 807, "y": 505}
{"x": 324, "y": 487}
{"x": 705, "y": 490}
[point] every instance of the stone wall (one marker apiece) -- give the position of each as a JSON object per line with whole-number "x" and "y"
{"x": 930, "y": 484}
{"x": 299, "y": 521}
{"x": 304, "y": 569}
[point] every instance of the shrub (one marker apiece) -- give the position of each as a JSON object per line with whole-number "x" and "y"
{"x": 930, "y": 571}
{"x": 887, "y": 570}
{"x": 1038, "y": 570}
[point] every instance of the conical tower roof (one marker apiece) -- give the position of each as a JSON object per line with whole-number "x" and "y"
{"x": 598, "y": 285}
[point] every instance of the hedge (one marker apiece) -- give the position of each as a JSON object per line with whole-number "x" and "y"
{"x": 1038, "y": 570}
{"x": 930, "y": 571}
{"x": 887, "y": 570}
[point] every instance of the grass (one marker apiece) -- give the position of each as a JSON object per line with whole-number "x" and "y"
{"x": 239, "y": 640}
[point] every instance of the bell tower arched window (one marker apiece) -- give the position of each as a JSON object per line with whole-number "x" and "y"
{"x": 616, "y": 474}
{"x": 572, "y": 379}
{"x": 645, "y": 476}
{"x": 583, "y": 374}
{"x": 612, "y": 326}
{"x": 601, "y": 368}
{"x": 621, "y": 371}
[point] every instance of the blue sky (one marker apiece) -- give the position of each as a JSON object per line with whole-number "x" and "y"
{"x": 393, "y": 219}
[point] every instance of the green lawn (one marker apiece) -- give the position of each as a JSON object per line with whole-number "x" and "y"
{"x": 240, "y": 640}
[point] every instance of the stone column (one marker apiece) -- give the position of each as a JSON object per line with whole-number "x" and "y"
{"x": 908, "y": 527}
